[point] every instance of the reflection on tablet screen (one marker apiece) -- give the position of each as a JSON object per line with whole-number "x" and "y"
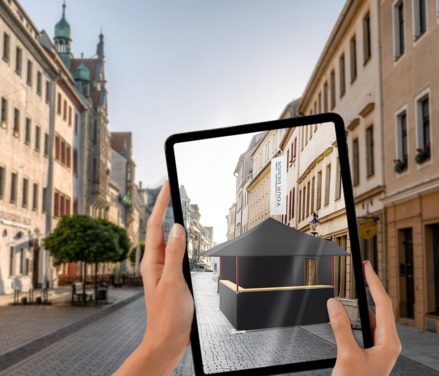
{"x": 268, "y": 245}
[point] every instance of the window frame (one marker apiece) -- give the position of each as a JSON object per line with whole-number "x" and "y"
{"x": 353, "y": 58}
{"x": 18, "y": 60}
{"x": 342, "y": 67}
{"x": 367, "y": 39}
{"x": 6, "y": 54}
{"x": 29, "y": 73}
{"x": 355, "y": 162}
{"x": 370, "y": 151}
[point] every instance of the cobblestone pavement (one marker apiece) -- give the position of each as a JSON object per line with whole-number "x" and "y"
{"x": 37, "y": 321}
{"x": 102, "y": 347}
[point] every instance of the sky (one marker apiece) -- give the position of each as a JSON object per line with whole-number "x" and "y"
{"x": 179, "y": 66}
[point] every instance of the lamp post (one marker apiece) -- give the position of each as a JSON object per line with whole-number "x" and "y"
{"x": 36, "y": 246}
{"x": 314, "y": 224}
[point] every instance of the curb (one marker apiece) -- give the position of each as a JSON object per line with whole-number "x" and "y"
{"x": 17, "y": 355}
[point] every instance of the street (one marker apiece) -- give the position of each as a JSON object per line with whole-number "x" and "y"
{"x": 102, "y": 346}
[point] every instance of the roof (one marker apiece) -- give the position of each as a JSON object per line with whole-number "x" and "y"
{"x": 272, "y": 238}
{"x": 62, "y": 28}
{"x": 183, "y": 193}
{"x": 94, "y": 66}
{"x": 121, "y": 140}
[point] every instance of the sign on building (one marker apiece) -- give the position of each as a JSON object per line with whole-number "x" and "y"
{"x": 278, "y": 189}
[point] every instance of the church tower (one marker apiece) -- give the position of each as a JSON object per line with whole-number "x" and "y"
{"x": 63, "y": 39}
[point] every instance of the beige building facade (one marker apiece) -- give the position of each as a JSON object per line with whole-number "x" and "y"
{"x": 410, "y": 36}
{"x": 347, "y": 80}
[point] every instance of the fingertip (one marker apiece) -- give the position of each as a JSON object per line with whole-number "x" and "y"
{"x": 332, "y": 306}
{"x": 177, "y": 231}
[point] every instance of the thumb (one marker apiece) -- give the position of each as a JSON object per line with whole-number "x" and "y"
{"x": 341, "y": 326}
{"x": 175, "y": 251}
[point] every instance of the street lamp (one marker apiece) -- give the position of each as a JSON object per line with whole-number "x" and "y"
{"x": 314, "y": 224}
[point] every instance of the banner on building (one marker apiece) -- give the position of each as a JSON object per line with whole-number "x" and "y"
{"x": 278, "y": 188}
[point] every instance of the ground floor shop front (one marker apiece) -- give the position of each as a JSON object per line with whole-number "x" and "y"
{"x": 413, "y": 246}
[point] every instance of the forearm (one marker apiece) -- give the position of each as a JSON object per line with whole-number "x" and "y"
{"x": 150, "y": 358}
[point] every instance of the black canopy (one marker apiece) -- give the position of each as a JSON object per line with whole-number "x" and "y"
{"x": 273, "y": 238}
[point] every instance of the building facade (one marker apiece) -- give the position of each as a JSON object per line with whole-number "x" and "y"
{"x": 410, "y": 35}
{"x": 347, "y": 80}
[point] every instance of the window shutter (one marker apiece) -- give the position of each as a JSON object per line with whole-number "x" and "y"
{"x": 62, "y": 202}
{"x": 69, "y": 156}
{"x": 57, "y": 148}
{"x": 67, "y": 206}
{"x": 63, "y": 152}
{"x": 56, "y": 205}
{"x": 75, "y": 162}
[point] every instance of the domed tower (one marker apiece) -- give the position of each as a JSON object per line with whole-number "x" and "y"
{"x": 63, "y": 38}
{"x": 82, "y": 78}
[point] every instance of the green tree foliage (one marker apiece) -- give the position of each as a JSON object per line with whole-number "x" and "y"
{"x": 82, "y": 238}
{"x": 132, "y": 255}
{"x": 122, "y": 239}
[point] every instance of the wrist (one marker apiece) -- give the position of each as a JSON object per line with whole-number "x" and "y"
{"x": 158, "y": 348}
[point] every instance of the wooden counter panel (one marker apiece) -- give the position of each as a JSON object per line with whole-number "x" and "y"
{"x": 232, "y": 286}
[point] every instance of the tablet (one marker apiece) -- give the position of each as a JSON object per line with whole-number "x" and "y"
{"x": 271, "y": 234}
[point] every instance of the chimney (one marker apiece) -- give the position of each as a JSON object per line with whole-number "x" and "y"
{"x": 140, "y": 184}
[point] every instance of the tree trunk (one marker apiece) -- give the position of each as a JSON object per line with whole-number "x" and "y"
{"x": 84, "y": 277}
{"x": 96, "y": 283}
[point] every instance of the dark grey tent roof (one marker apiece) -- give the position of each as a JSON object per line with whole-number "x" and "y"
{"x": 273, "y": 238}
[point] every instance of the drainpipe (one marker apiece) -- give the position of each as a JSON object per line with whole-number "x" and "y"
{"x": 49, "y": 189}
{"x": 383, "y": 170}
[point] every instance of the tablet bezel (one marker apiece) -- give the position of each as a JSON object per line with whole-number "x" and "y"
{"x": 351, "y": 219}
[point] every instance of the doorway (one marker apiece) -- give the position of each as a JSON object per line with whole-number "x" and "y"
{"x": 406, "y": 275}
{"x": 35, "y": 267}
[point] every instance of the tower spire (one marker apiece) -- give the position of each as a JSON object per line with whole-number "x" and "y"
{"x": 64, "y": 9}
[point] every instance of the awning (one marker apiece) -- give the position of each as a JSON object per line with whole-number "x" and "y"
{"x": 273, "y": 238}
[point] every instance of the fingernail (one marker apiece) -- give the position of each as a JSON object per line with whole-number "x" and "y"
{"x": 332, "y": 306}
{"x": 177, "y": 231}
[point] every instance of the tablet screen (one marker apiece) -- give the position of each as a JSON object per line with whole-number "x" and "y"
{"x": 268, "y": 245}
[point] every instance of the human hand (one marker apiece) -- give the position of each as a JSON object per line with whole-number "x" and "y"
{"x": 169, "y": 303}
{"x": 379, "y": 359}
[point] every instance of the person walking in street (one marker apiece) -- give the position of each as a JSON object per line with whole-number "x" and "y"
{"x": 170, "y": 309}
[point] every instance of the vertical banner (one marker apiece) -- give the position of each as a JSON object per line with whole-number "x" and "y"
{"x": 278, "y": 185}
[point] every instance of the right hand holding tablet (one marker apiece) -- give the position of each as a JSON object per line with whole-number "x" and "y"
{"x": 379, "y": 359}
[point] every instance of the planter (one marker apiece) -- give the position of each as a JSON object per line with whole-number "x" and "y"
{"x": 423, "y": 154}
{"x": 400, "y": 165}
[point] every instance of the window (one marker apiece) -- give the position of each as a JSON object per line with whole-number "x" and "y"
{"x": 57, "y": 148}
{"x": 95, "y": 170}
{"x": 310, "y": 273}
{"x": 29, "y": 73}
{"x": 18, "y": 61}
{"x": 2, "y": 182}
{"x": 306, "y": 134}
{"x": 75, "y": 162}
{"x": 304, "y": 203}
{"x": 37, "y": 138}
{"x": 11, "y": 261}
{"x": 95, "y": 136}
{"x": 356, "y": 164}
{"x": 402, "y": 144}
{"x": 367, "y": 49}
{"x": 68, "y": 206}
{"x": 370, "y": 151}
{"x": 332, "y": 89}
{"x": 288, "y": 159}
{"x": 25, "y": 201}
{"x": 307, "y": 199}
{"x": 319, "y": 190}
{"x": 295, "y": 146}
{"x": 39, "y": 83}
{"x": 63, "y": 152}
{"x": 56, "y": 205}
{"x": 65, "y": 111}
{"x": 353, "y": 58}
{"x": 44, "y": 201}
{"x": 76, "y": 124}
{"x": 342, "y": 76}
{"x": 338, "y": 180}
{"x": 300, "y": 206}
{"x": 315, "y": 107}
{"x": 325, "y": 97}
{"x": 13, "y": 188}
{"x": 327, "y": 183}
{"x": 59, "y": 104}
{"x": 313, "y": 184}
{"x": 425, "y": 123}
{"x": 340, "y": 269}
{"x": 47, "y": 91}
{"x": 320, "y": 103}
{"x": 292, "y": 202}
{"x": 399, "y": 33}
{"x": 21, "y": 260}
{"x": 4, "y": 114}
{"x": 27, "y": 132}
{"x": 75, "y": 205}
{"x": 35, "y": 197}
{"x": 46, "y": 144}
{"x": 420, "y": 15}
{"x": 70, "y": 116}
{"x": 16, "y": 122}
{"x": 68, "y": 156}
{"x": 6, "y": 47}
{"x": 62, "y": 204}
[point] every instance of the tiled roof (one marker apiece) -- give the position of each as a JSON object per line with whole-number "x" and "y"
{"x": 119, "y": 139}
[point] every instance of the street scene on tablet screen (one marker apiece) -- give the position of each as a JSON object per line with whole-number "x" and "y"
{"x": 268, "y": 245}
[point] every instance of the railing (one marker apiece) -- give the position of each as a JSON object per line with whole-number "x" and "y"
{"x": 68, "y": 280}
{"x": 132, "y": 281}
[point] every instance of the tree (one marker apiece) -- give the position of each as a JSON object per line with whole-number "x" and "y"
{"x": 82, "y": 238}
{"x": 132, "y": 255}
